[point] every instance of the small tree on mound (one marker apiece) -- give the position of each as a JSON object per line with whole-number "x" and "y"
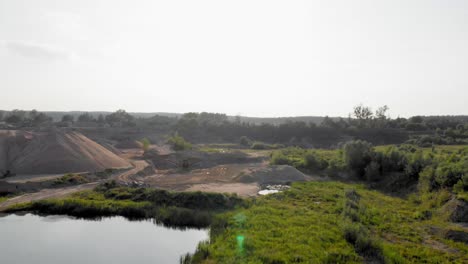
{"x": 179, "y": 143}
{"x": 145, "y": 144}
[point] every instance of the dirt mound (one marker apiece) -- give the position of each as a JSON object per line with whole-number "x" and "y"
{"x": 54, "y": 152}
{"x": 279, "y": 174}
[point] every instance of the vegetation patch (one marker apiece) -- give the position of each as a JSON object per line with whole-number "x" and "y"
{"x": 171, "y": 209}
{"x": 178, "y": 143}
{"x": 328, "y": 222}
{"x": 70, "y": 178}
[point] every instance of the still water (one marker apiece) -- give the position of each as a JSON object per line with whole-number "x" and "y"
{"x": 60, "y": 239}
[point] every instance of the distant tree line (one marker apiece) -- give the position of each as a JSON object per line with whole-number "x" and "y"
{"x": 363, "y": 123}
{"x": 20, "y": 118}
{"x": 375, "y": 127}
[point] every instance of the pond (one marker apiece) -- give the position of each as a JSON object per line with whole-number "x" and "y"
{"x": 271, "y": 188}
{"x": 61, "y": 239}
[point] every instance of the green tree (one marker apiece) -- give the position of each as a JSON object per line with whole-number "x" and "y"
{"x": 363, "y": 114}
{"x": 68, "y": 118}
{"x": 179, "y": 143}
{"x": 120, "y": 118}
{"x": 16, "y": 117}
{"x": 145, "y": 144}
{"x": 86, "y": 117}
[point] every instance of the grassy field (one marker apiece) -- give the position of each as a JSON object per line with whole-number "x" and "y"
{"x": 313, "y": 223}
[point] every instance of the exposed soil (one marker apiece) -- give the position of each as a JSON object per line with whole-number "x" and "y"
{"x": 241, "y": 189}
{"x": 50, "y": 155}
{"x": 54, "y": 152}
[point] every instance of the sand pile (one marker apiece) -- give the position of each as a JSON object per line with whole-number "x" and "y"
{"x": 278, "y": 174}
{"x": 54, "y": 152}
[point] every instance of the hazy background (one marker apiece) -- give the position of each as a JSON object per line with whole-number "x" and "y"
{"x": 255, "y": 58}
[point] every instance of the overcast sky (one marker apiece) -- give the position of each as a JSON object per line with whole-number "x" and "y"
{"x": 254, "y": 58}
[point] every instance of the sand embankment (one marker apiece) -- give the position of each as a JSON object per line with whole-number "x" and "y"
{"x": 54, "y": 152}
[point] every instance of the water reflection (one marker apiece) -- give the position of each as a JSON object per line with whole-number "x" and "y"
{"x": 58, "y": 239}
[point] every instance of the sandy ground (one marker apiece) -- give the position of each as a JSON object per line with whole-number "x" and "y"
{"x": 219, "y": 174}
{"x": 220, "y": 179}
{"x": 241, "y": 189}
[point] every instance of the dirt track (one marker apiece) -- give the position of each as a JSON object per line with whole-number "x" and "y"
{"x": 32, "y": 178}
{"x": 61, "y": 192}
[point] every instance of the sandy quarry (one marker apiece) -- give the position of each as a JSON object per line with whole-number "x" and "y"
{"x": 54, "y": 152}
{"x": 36, "y": 157}
{"x": 243, "y": 179}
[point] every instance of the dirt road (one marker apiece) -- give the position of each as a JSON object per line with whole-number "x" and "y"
{"x": 61, "y": 192}
{"x": 127, "y": 177}
{"x": 33, "y": 178}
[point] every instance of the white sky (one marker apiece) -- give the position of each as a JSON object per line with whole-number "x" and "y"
{"x": 255, "y": 58}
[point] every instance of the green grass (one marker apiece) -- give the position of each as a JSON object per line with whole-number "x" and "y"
{"x": 309, "y": 224}
{"x": 2, "y": 199}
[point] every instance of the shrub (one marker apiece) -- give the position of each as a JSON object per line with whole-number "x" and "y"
{"x": 313, "y": 162}
{"x": 427, "y": 182}
{"x": 372, "y": 171}
{"x": 279, "y": 158}
{"x": 448, "y": 174}
{"x": 145, "y": 144}
{"x": 70, "y": 178}
{"x": 357, "y": 155}
{"x": 179, "y": 143}
{"x": 462, "y": 184}
{"x": 367, "y": 246}
{"x": 245, "y": 141}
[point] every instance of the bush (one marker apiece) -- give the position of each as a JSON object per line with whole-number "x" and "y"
{"x": 427, "y": 182}
{"x": 357, "y": 155}
{"x": 245, "y": 141}
{"x": 462, "y": 184}
{"x": 278, "y": 158}
{"x": 179, "y": 143}
{"x": 70, "y": 178}
{"x": 314, "y": 162}
{"x": 372, "y": 171}
{"x": 415, "y": 165}
{"x": 367, "y": 246}
{"x": 145, "y": 144}
{"x": 448, "y": 174}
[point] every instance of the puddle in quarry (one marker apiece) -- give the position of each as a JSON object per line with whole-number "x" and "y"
{"x": 270, "y": 189}
{"x": 61, "y": 239}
